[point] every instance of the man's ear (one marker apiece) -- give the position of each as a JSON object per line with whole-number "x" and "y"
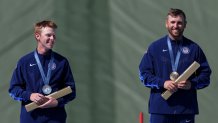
{"x": 37, "y": 36}
{"x": 166, "y": 24}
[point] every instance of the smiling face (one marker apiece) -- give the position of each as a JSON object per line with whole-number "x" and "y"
{"x": 45, "y": 39}
{"x": 175, "y": 26}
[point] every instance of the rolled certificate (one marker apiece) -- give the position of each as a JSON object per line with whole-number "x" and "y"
{"x": 184, "y": 76}
{"x": 56, "y": 95}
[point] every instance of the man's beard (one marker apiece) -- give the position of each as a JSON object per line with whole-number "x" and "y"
{"x": 178, "y": 34}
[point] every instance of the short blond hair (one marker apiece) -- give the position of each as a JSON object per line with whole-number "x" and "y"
{"x": 45, "y": 23}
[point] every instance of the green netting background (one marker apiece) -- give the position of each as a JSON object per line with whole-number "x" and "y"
{"x": 104, "y": 41}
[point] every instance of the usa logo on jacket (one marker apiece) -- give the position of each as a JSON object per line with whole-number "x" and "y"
{"x": 185, "y": 50}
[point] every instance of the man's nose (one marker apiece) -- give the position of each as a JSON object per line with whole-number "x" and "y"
{"x": 176, "y": 25}
{"x": 52, "y": 37}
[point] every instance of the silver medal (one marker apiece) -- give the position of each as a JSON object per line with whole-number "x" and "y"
{"x": 46, "y": 89}
{"x": 174, "y": 76}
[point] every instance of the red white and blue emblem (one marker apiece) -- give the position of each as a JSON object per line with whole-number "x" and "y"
{"x": 53, "y": 66}
{"x": 185, "y": 50}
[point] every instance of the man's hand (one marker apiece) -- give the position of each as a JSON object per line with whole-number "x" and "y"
{"x": 43, "y": 101}
{"x": 170, "y": 85}
{"x": 38, "y": 98}
{"x": 186, "y": 85}
{"x": 52, "y": 102}
{"x": 173, "y": 87}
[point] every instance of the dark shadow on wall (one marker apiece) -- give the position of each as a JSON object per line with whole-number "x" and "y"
{"x": 86, "y": 34}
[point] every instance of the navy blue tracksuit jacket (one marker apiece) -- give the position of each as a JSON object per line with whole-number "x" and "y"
{"x": 155, "y": 69}
{"x": 26, "y": 79}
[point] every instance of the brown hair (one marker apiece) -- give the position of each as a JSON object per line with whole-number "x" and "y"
{"x": 38, "y": 26}
{"x": 176, "y": 12}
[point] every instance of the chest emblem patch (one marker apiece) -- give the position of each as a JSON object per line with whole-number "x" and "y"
{"x": 53, "y": 66}
{"x": 185, "y": 50}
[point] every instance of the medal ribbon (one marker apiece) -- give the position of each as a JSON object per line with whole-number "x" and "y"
{"x": 45, "y": 79}
{"x": 174, "y": 63}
